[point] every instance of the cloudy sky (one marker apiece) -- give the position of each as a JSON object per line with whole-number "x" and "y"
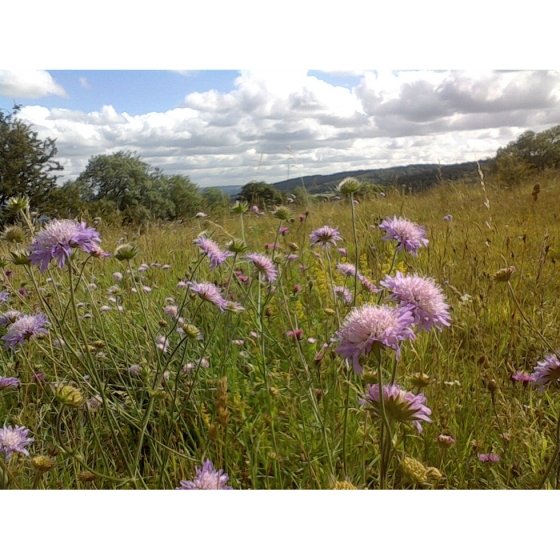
{"x": 230, "y": 127}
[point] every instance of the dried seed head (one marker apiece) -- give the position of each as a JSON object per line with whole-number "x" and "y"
{"x": 87, "y": 476}
{"x": 42, "y": 463}
{"x": 504, "y": 274}
{"x": 419, "y": 380}
{"x": 343, "y": 485}
{"x": 414, "y": 471}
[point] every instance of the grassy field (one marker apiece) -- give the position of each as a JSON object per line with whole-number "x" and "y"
{"x": 114, "y": 396}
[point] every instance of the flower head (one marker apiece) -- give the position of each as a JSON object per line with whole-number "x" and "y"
{"x": 24, "y": 328}
{"x": 346, "y": 269}
{"x": 212, "y": 251}
{"x": 407, "y": 234}
{"x": 325, "y": 236}
{"x": 448, "y": 218}
{"x": 370, "y": 325}
{"x": 343, "y": 294}
{"x": 208, "y": 292}
{"x": 264, "y": 266}
{"x": 6, "y": 382}
{"x": 522, "y": 377}
{"x": 488, "y": 457}
{"x": 400, "y": 405}
{"x": 14, "y": 439}
{"x": 4, "y": 297}
{"x": 423, "y": 297}
{"x": 547, "y": 372}
{"x": 206, "y": 478}
{"x": 57, "y": 240}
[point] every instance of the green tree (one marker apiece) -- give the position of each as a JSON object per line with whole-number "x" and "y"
{"x": 26, "y": 163}
{"x": 260, "y": 193}
{"x": 185, "y": 196}
{"x": 120, "y": 178}
{"x": 530, "y": 152}
{"x": 137, "y": 190}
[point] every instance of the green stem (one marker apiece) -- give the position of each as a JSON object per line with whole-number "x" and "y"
{"x": 554, "y": 457}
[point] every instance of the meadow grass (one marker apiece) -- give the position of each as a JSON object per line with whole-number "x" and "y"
{"x": 115, "y": 397}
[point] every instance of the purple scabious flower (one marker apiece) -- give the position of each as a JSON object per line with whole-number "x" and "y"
{"x": 14, "y": 439}
{"x": 373, "y": 325}
{"x": 522, "y": 377}
{"x": 488, "y": 457}
{"x": 325, "y": 236}
{"x": 367, "y": 284}
{"x": 346, "y": 269}
{"x": 264, "y": 266}
{"x": 24, "y": 328}
{"x": 4, "y": 297}
{"x": 9, "y": 317}
{"x": 208, "y": 292}
{"x": 423, "y": 297}
{"x": 547, "y": 372}
{"x": 211, "y": 249}
{"x": 206, "y": 478}
{"x": 343, "y": 293}
{"x": 407, "y": 234}
{"x": 57, "y": 240}
{"x": 6, "y": 382}
{"x": 447, "y": 218}
{"x": 400, "y": 405}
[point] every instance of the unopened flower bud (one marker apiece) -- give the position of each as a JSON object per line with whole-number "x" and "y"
{"x": 70, "y": 396}
{"x": 126, "y": 252}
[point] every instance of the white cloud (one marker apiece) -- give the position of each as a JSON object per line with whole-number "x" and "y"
{"x": 390, "y": 118}
{"x": 28, "y": 83}
{"x": 84, "y": 83}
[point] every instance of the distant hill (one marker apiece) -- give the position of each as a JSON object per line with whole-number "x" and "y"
{"x": 228, "y": 189}
{"x": 414, "y": 177}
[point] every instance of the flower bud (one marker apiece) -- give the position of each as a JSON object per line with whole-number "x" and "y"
{"x": 282, "y": 213}
{"x": 126, "y": 252}
{"x": 69, "y": 396}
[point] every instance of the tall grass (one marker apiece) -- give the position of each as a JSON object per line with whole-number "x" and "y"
{"x": 116, "y": 397}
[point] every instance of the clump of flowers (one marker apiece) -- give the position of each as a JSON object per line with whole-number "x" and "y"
{"x": 14, "y": 440}
{"x": 58, "y": 239}
{"x": 207, "y": 478}
{"x": 211, "y": 249}
{"x": 371, "y": 325}
{"x": 24, "y": 328}
{"x": 264, "y": 266}
{"x": 547, "y": 372}
{"x": 400, "y": 405}
{"x": 423, "y": 297}
{"x": 325, "y": 236}
{"x": 407, "y": 234}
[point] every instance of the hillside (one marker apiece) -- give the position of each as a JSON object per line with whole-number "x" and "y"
{"x": 414, "y": 177}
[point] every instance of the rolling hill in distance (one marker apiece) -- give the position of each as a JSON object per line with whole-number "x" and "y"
{"x": 411, "y": 177}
